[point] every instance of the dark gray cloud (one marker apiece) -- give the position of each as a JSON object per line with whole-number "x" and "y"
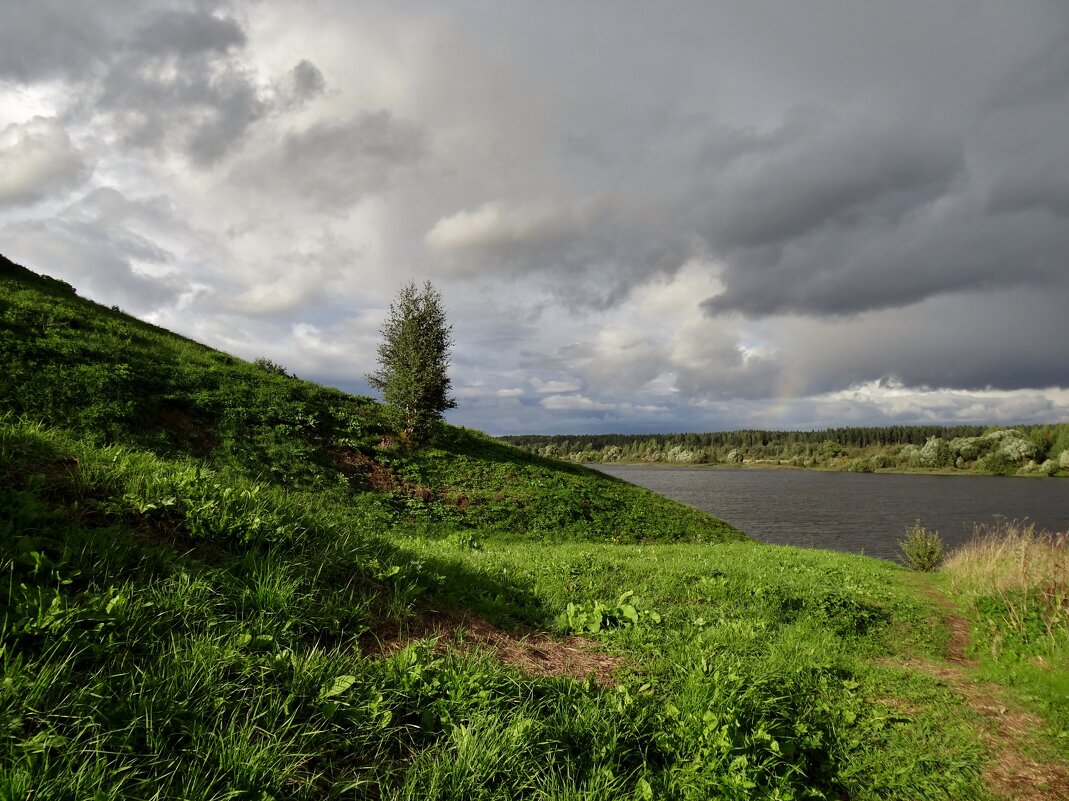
{"x": 55, "y": 38}
{"x": 974, "y": 341}
{"x": 838, "y": 177}
{"x": 187, "y": 32}
{"x": 176, "y": 84}
{"x": 839, "y": 213}
{"x": 190, "y": 106}
{"x": 47, "y": 39}
{"x": 333, "y": 165}
{"x": 301, "y": 84}
{"x": 860, "y": 268}
{"x": 168, "y": 75}
{"x": 1046, "y": 190}
{"x": 1041, "y": 73}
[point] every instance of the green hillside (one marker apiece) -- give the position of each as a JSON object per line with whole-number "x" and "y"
{"x": 111, "y": 379}
{"x": 218, "y": 581}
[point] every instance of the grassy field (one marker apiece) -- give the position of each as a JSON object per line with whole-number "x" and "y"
{"x": 218, "y": 581}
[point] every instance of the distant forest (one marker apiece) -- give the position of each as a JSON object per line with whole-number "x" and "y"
{"x": 1005, "y": 451}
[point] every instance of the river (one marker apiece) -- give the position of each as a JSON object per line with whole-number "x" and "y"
{"x": 856, "y": 512}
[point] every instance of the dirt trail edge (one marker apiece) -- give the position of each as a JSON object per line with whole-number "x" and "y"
{"x": 1007, "y": 731}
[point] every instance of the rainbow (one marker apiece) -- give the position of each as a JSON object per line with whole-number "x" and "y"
{"x": 789, "y": 390}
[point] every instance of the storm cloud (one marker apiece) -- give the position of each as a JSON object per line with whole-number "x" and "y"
{"x": 688, "y": 216}
{"x": 333, "y": 165}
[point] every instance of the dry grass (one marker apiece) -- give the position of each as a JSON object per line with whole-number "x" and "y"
{"x": 1028, "y": 570}
{"x": 1009, "y": 557}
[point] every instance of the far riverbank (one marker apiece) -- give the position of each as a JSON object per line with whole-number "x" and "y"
{"x": 1033, "y": 450}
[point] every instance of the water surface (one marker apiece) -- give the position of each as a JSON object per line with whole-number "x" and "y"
{"x": 857, "y": 512}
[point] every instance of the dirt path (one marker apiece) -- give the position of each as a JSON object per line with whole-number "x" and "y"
{"x": 1007, "y": 731}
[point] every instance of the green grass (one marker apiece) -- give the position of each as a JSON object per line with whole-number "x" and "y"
{"x": 195, "y": 553}
{"x": 143, "y": 646}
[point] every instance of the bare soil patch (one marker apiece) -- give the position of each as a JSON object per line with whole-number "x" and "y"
{"x": 200, "y": 438}
{"x": 535, "y": 653}
{"x": 372, "y": 475}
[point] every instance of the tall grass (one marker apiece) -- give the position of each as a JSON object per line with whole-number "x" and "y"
{"x": 1010, "y": 557}
{"x": 1016, "y": 576}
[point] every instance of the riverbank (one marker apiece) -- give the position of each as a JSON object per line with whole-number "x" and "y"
{"x": 762, "y": 465}
{"x": 1040, "y": 450}
{"x": 759, "y": 465}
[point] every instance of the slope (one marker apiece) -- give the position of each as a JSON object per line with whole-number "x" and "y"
{"x": 68, "y": 362}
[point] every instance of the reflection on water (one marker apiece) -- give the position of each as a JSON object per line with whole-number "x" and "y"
{"x": 857, "y": 512}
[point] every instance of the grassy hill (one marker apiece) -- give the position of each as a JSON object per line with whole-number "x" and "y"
{"x": 110, "y": 379}
{"x": 220, "y": 581}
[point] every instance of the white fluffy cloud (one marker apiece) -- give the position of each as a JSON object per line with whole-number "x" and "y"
{"x": 37, "y": 161}
{"x": 502, "y": 231}
{"x": 573, "y": 403}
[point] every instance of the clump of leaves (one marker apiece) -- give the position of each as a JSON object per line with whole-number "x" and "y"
{"x": 269, "y": 366}
{"x": 465, "y": 540}
{"x": 923, "y": 548}
{"x": 596, "y": 617}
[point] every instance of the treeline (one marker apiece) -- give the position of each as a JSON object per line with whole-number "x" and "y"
{"x": 1005, "y": 451}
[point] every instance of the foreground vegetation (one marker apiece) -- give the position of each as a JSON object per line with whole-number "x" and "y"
{"x": 1024, "y": 450}
{"x": 218, "y": 581}
{"x": 1013, "y": 585}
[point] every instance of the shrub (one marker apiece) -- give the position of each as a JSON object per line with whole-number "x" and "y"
{"x": 922, "y": 548}
{"x": 269, "y": 366}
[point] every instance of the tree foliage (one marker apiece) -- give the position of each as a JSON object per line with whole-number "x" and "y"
{"x": 414, "y": 360}
{"x": 1037, "y": 448}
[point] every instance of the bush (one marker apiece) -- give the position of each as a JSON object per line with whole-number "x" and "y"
{"x": 271, "y": 367}
{"x": 922, "y": 548}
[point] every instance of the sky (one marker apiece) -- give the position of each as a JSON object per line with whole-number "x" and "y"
{"x": 642, "y": 217}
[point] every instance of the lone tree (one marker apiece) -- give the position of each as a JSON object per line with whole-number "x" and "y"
{"x": 413, "y": 360}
